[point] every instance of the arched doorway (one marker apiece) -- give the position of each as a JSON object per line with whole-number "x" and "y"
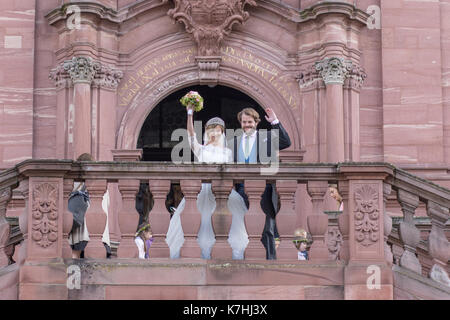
{"x": 169, "y": 115}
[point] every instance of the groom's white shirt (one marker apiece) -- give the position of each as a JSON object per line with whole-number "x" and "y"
{"x": 253, "y": 137}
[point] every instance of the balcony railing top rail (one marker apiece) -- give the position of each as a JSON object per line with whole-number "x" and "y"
{"x": 302, "y": 172}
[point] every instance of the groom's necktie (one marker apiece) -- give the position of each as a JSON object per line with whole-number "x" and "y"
{"x": 247, "y": 147}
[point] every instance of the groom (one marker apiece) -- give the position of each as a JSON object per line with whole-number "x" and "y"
{"x": 246, "y": 150}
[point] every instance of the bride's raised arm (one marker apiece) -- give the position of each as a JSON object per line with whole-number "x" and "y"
{"x": 195, "y": 146}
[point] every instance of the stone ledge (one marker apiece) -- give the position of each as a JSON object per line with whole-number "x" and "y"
{"x": 415, "y": 285}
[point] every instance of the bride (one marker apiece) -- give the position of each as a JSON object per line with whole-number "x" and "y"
{"x": 213, "y": 151}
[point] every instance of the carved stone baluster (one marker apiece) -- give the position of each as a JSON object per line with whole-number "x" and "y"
{"x": 190, "y": 218}
{"x": 128, "y": 218}
{"x": 5, "y": 197}
{"x": 95, "y": 219}
{"x": 221, "y": 218}
{"x": 333, "y": 237}
{"x": 408, "y": 232}
{"x": 286, "y": 218}
{"x": 438, "y": 245}
{"x": 344, "y": 220}
{"x": 255, "y": 219}
{"x": 67, "y": 218}
{"x": 159, "y": 218}
{"x": 317, "y": 221}
{"x": 387, "y": 189}
{"x": 20, "y": 254}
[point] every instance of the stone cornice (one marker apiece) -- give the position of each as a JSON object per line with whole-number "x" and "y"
{"x": 103, "y": 12}
{"x": 285, "y": 11}
{"x": 330, "y": 7}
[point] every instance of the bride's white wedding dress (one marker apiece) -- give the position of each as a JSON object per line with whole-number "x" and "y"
{"x": 206, "y": 204}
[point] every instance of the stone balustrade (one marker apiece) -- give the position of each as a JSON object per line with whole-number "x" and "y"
{"x": 361, "y": 234}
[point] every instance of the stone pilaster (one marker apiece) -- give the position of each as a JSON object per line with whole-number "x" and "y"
{"x": 83, "y": 126}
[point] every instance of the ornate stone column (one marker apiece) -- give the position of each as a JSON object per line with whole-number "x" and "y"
{"x": 333, "y": 71}
{"x": 82, "y": 72}
{"x": 408, "y": 232}
{"x": 86, "y": 92}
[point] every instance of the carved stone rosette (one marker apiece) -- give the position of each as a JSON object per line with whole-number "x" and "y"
{"x": 45, "y": 214}
{"x": 85, "y": 70}
{"x": 366, "y": 215}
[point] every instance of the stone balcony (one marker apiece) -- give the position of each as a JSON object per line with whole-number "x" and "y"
{"x": 347, "y": 249}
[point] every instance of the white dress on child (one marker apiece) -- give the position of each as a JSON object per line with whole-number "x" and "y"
{"x": 206, "y": 204}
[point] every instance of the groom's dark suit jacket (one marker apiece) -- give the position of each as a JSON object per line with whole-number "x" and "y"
{"x": 284, "y": 142}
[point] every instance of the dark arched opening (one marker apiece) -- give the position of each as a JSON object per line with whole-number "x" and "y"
{"x": 169, "y": 115}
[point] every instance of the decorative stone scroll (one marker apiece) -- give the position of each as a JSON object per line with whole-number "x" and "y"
{"x": 366, "y": 215}
{"x": 45, "y": 214}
